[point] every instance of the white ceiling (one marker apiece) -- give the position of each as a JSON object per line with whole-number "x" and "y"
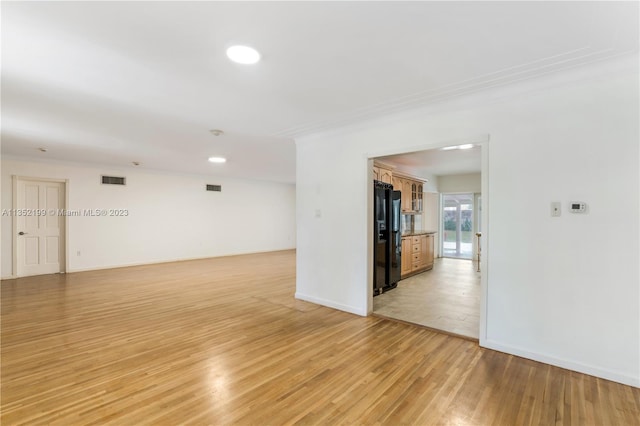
{"x": 116, "y": 82}
{"x": 437, "y": 162}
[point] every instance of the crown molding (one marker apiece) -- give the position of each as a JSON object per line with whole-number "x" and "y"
{"x": 582, "y": 57}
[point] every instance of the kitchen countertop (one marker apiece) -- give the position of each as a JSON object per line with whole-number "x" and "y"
{"x": 411, "y": 234}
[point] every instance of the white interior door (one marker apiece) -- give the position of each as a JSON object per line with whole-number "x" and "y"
{"x": 40, "y": 241}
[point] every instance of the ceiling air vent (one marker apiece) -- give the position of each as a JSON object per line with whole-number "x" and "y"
{"x": 215, "y": 188}
{"x": 113, "y": 180}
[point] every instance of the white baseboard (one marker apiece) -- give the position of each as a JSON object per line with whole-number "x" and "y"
{"x": 614, "y": 376}
{"x": 331, "y": 304}
{"x": 156, "y": 262}
{"x": 127, "y": 265}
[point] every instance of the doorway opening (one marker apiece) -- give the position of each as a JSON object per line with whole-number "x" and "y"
{"x": 457, "y": 224}
{"x": 448, "y": 296}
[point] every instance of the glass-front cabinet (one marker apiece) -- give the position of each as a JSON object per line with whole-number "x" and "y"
{"x": 417, "y": 194}
{"x": 412, "y": 193}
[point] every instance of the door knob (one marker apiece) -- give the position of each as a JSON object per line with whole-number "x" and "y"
{"x": 21, "y": 233}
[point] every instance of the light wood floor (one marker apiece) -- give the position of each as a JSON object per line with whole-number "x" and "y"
{"x": 222, "y": 341}
{"x": 445, "y": 298}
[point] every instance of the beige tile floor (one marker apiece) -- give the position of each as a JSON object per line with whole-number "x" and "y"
{"x": 446, "y": 298}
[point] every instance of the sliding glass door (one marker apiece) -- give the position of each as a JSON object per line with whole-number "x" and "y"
{"x": 457, "y": 218}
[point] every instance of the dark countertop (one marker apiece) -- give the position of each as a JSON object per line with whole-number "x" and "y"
{"x": 411, "y": 234}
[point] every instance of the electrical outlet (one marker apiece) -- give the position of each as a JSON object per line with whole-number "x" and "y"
{"x": 556, "y": 208}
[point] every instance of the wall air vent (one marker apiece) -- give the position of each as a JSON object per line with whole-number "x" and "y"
{"x": 215, "y": 188}
{"x": 114, "y": 180}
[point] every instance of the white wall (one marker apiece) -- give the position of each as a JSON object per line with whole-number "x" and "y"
{"x": 431, "y": 218}
{"x": 171, "y": 216}
{"x": 465, "y": 183}
{"x": 561, "y": 290}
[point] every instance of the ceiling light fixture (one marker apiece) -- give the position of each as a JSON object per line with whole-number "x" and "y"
{"x": 464, "y": 146}
{"x": 135, "y": 163}
{"x": 216, "y": 132}
{"x": 243, "y": 54}
{"x": 218, "y": 160}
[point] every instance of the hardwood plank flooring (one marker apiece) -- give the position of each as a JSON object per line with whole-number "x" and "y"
{"x": 222, "y": 341}
{"x": 445, "y": 298}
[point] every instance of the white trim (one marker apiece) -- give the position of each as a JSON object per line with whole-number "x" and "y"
{"x": 369, "y": 236}
{"x": 483, "y": 141}
{"x": 128, "y": 265}
{"x": 66, "y": 226}
{"x": 612, "y": 375}
{"x": 180, "y": 259}
{"x": 484, "y": 259}
{"x": 489, "y": 94}
{"x": 14, "y": 226}
{"x": 331, "y": 304}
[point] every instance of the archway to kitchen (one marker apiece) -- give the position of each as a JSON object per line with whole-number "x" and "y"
{"x": 425, "y": 284}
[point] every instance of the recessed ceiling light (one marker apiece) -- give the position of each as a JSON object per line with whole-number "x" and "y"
{"x": 42, "y": 149}
{"x": 135, "y": 163}
{"x": 243, "y": 54}
{"x": 465, "y": 146}
{"x": 216, "y": 132}
{"x": 217, "y": 159}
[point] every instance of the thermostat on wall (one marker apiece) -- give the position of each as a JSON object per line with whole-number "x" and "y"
{"x": 577, "y": 207}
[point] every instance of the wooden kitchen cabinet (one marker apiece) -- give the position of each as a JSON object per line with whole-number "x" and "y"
{"x": 417, "y": 254}
{"x": 416, "y": 259}
{"x": 399, "y": 184}
{"x": 417, "y": 193}
{"x": 412, "y": 193}
{"x": 406, "y": 256}
{"x": 426, "y": 251}
{"x": 383, "y": 173}
{"x": 386, "y": 175}
{"x": 406, "y": 204}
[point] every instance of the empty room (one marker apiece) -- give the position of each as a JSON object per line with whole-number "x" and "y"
{"x": 204, "y": 205}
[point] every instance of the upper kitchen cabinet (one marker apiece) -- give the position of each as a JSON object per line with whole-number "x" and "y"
{"x": 417, "y": 192}
{"x": 382, "y": 172}
{"x": 412, "y": 188}
{"x": 398, "y": 185}
{"x": 412, "y": 192}
{"x": 407, "y": 204}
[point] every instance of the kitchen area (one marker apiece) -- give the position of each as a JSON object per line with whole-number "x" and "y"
{"x": 412, "y": 283}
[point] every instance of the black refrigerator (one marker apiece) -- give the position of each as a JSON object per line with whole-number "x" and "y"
{"x": 386, "y": 236}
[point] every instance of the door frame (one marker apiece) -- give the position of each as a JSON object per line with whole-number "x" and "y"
{"x": 64, "y": 265}
{"x": 483, "y": 141}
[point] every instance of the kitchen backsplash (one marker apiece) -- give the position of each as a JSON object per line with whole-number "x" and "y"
{"x": 411, "y": 223}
